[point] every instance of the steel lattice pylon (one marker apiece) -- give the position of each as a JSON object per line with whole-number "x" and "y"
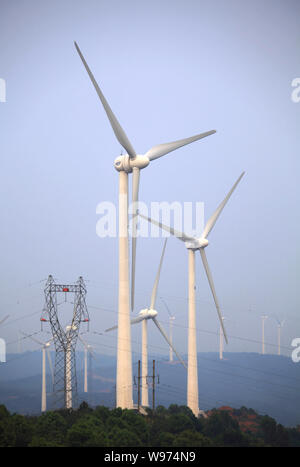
{"x": 65, "y": 381}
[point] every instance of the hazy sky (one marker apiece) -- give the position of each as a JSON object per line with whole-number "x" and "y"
{"x": 169, "y": 69}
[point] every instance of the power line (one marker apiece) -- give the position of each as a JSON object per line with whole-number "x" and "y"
{"x": 215, "y": 333}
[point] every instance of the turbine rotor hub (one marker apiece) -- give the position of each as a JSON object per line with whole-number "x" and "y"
{"x": 148, "y": 313}
{"x": 196, "y": 243}
{"x": 126, "y": 164}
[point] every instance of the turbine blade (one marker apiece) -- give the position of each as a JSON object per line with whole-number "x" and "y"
{"x": 135, "y": 198}
{"x": 167, "y": 308}
{"x": 91, "y": 352}
{"x": 137, "y": 320}
{"x": 82, "y": 340}
{"x": 118, "y": 130}
{"x": 133, "y": 321}
{"x": 181, "y": 235}
{"x": 156, "y": 282}
{"x": 168, "y": 341}
{"x": 4, "y": 319}
{"x": 212, "y": 287}
{"x": 33, "y": 338}
{"x": 162, "y": 149}
{"x": 111, "y": 329}
{"x": 213, "y": 219}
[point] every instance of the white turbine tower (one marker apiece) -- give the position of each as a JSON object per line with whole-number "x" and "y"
{"x": 131, "y": 162}
{"x": 193, "y": 244}
{"x": 171, "y": 321}
{"x": 45, "y": 350}
{"x": 3, "y": 344}
{"x": 263, "y": 318}
{"x": 279, "y": 326}
{"x": 143, "y": 317}
{"x": 221, "y": 349}
{"x": 87, "y": 349}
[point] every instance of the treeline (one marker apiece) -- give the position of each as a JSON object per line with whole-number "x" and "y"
{"x": 172, "y": 427}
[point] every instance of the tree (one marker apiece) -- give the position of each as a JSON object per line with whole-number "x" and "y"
{"x": 22, "y": 429}
{"x": 179, "y": 422}
{"x": 87, "y": 432}
{"x": 120, "y": 437}
{"x": 4, "y": 413}
{"x": 137, "y": 424}
{"x": 102, "y": 412}
{"x": 51, "y": 426}
{"x": 7, "y": 434}
{"x": 218, "y": 423}
{"x": 189, "y": 438}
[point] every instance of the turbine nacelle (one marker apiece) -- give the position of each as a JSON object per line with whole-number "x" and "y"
{"x": 126, "y": 163}
{"x": 196, "y": 243}
{"x": 148, "y": 313}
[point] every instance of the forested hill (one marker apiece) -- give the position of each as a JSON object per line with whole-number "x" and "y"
{"x": 172, "y": 427}
{"x": 267, "y": 383}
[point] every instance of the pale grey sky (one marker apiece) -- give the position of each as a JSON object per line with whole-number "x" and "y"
{"x": 169, "y": 70}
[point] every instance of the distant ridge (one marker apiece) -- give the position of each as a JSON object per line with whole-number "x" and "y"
{"x": 269, "y": 384}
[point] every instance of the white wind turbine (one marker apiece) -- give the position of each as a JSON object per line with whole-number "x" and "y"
{"x": 87, "y": 349}
{"x": 131, "y": 162}
{"x": 45, "y": 350}
{"x": 263, "y": 319}
{"x": 279, "y": 326}
{"x": 193, "y": 244}
{"x": 143, "y": 317}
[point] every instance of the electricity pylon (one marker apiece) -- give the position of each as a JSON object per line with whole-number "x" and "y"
{"x": 65, "y": 340}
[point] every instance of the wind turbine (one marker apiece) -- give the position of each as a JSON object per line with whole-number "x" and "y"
{"x": 87, "y": 349}
{"x": 264, "y": 317}
{"x": 45, "y": 349}
{"x": 144, "y": 316}
{"x": 193, "y": 244}
{"x": 279, "y": 326}
{"x": 171, "y": 319}
{"x": 131, "y": 162}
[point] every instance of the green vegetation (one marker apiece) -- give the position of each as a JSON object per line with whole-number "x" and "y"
{"x": 172, "y": 427}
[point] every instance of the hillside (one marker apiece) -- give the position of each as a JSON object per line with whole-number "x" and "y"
{"x": 268, "y": 384}
{"x": 172, "y": 428}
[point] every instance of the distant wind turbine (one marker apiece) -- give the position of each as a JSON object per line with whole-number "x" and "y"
{"x": 45, "y": 349}
{"x": 87, "y": 349}
{"x": 279, "y": 326}
{"x": 193, "y": 244}
{"x": 133, "y": 163}
{"x": 263, "y": 318}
